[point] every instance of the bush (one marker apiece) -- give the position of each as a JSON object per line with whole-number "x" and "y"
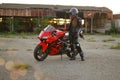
{"x": 91, "y": 40}
{"x": 40, "y": 23}
{"x": 107, "y": 40}
{"x": 116, "y": 47}
{"x": 113, "y": 30}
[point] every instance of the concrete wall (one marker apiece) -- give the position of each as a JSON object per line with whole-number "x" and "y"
{"x": 117, "y": 24}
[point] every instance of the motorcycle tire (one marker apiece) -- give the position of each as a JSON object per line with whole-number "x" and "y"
{"x": 38, "y": 54}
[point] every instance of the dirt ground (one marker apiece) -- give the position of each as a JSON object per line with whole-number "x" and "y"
{"x": 101, "y": 62}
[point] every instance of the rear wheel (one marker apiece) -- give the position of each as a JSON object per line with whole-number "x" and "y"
{"x": 69, "y": 53}
{"x": 38, "y": 54}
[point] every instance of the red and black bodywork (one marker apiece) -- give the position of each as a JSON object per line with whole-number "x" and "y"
{"x": 52, "y": 42}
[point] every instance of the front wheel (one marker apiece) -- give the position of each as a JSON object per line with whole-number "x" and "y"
{"x": 38, "y": 54}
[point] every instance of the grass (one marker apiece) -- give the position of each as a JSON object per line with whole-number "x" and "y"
{"x": 107, "y": 40}
{"x": 29, "y": 49}
{"x": 12, "y": 35}
{"x": 91, "y": 40}
{"x": 22, "y": 66}
{"x": 12, "y": 49}
{"x": 116, "y": 46}
{"x": 116, "y": 35}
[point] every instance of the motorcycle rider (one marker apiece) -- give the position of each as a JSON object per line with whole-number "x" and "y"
{"x": 74, "y": 32}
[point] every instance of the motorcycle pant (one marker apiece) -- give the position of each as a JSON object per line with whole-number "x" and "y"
{"x": 80, "y": 52}
{"x": 78, "y": 47}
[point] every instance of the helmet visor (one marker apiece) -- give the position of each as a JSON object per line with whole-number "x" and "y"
{"x": 74, "y": 14}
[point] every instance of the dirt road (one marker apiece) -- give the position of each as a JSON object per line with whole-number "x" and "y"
{"x": 101, "y": 62}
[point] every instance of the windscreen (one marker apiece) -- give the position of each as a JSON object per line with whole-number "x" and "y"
{"x": 48, "y": 28}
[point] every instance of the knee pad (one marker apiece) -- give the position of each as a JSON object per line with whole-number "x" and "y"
{"x": 77, "y": 44}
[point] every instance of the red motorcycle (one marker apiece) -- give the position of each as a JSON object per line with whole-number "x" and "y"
{"x": 52, "y": 42}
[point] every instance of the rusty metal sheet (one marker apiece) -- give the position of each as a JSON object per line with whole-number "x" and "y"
{"x": 88, "y": 14}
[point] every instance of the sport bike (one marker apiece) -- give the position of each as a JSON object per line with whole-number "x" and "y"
{"x": 52, "y": 42}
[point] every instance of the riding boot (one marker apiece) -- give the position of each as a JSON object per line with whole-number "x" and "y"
{"x": 81, "y": 53}
{"x": 82, "y": 56}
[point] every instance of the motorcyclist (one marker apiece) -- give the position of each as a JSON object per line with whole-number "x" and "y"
{"x": 74, "y": 32}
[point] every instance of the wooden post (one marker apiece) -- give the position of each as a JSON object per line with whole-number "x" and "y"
{"x": 86, "y": 24}
{"x": 65, "y": 21}
{"x": 11, "y": 24}
{"x": 38, "y": 17}
{"x": 91, "y": 29}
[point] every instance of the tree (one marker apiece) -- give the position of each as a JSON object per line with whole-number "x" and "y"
{"x": 40, "y": 23}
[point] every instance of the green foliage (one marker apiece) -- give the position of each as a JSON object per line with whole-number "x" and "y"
{"x": 7, "y": 34}
{"x": 22, "y": 66}
{"x": 19, "y": 24}
{"x": 107, "y": 40}
{"x": 16, "y": 25}
{"x": 7, "y": 21}
{"x": 12, "y": 23}
{"x": 23, "y": 35}
{"x": 5, "y": 24}
{"x": 116, "y": 47}
{"x": 40, "y": 23}
{"x": 113, "y": 30}
{"x": 116, "y": 35}
{"x": 91, "y": 40}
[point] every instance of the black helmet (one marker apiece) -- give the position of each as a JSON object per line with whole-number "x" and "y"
{"x": 74, "y": 11}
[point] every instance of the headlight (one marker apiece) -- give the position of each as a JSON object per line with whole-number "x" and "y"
{"x": 67, "y": 34}
{"x": 44, "y": 37}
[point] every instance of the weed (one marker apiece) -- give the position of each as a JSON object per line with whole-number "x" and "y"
{"x": 115, "y": 47}
{"x": 116, "y": 35}
{"x": 12, "y": 35}
{"x": 12, "y": 49}
{"x": 107, "y": 40}
{"x": 22, "y": 66}
{"x": 29, "y": 49}
{"x": 91, "y": 40}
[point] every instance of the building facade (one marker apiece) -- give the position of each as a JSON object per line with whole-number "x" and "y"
{"x": 116, "y": 20}
{"x": 96, "y": 19}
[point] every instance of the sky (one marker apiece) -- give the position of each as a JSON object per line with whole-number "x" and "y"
{"x": 114, "y": 5}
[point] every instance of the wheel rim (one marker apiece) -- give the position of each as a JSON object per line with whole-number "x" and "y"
{"x": 40, "y": 54}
